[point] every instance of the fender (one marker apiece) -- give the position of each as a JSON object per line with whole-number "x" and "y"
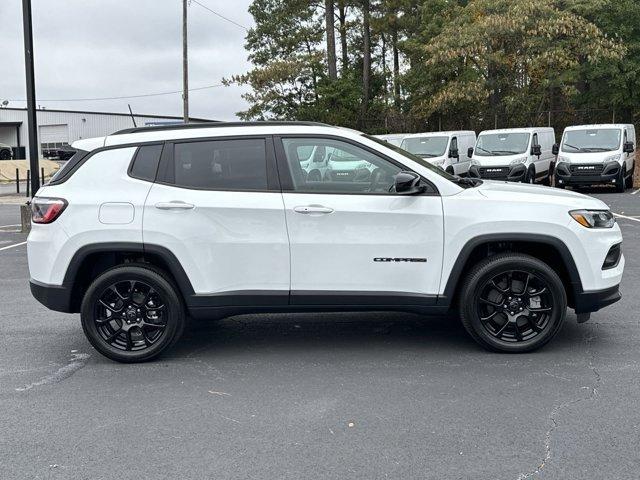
{"x": 457, "y": 271}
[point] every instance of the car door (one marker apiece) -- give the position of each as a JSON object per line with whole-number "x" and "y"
{"x": 217, "y": 207}
{"x": 455, "y": 161}
{"x": 353, "y": 239}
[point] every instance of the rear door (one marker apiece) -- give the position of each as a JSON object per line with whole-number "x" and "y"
{"x": 353, "y": 239}
{"x": 216, "y": 205}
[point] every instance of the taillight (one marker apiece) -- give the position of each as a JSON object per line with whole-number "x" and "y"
{"x": 46, "y": 210}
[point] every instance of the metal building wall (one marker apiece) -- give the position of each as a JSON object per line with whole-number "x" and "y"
{"x": 80, "y": 124}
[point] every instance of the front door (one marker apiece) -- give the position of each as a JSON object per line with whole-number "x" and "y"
{"x": 353, "y": 240}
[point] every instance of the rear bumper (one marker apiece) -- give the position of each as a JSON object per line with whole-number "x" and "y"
{"x": 54, "y": 297}
{"x": 586, "y": 302}
{"x": 608, "y": 174}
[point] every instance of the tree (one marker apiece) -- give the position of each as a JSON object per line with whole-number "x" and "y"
{"x": 331, "y": 39}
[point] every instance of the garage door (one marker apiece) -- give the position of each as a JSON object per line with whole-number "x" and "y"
{"x": 54, "y": 135}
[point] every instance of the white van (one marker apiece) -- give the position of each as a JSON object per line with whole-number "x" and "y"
{"x": 447, "y": 150}
{"x": 392, "y": 138}
{"x": 590, "y": 154}
{"x": 514, "y": 154}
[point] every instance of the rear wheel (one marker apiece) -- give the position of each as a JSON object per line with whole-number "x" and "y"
{"x": 5, "y": 154}
{"x": 132, "y": 313}
{"x": 512, "y": 303}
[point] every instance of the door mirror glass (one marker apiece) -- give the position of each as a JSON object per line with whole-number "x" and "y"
{"x": 629, "y": 147}
{"x": 556, "y": 149}
{"x": 470, "y": 152}
{"x": 408, "y": 183}
{"x": 536, "y": 150}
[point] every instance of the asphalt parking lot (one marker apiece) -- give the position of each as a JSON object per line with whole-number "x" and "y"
{"x": 329, "y": 396}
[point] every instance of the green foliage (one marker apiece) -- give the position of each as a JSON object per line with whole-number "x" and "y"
{"x": 461, "y": 63}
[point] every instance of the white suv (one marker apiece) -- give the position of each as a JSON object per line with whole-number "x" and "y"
{"x": 146, "y": 226}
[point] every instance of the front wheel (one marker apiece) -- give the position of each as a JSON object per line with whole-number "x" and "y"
{"x": 629, "y": 181}
{"x": 132, "y": 313}
{"x": 621, "y": 180}
{"x": 530, "y": 176}
{"x": 512, "y": 303}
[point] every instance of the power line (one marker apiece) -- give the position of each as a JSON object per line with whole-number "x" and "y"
{"x": 122, "y": 97}
{"x": 220, "y": 15}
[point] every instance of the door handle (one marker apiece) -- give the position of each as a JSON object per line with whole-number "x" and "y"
{"x": 313, "y": 209}
{"x": 174, "y": 205}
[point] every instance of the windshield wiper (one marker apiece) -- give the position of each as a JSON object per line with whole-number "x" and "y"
{"x": 595, "y": 149}
{"x": 578, "y": 149}
{"x": 507, "y": 152}
{"x": 428, "y": 155}
{"x": 484, "y": 150}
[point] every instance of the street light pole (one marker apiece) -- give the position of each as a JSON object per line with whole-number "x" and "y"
{"x": 31, "y": 97}
{"x": 185, "y": 65}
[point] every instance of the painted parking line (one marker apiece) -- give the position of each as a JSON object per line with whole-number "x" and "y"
{"x": 636, "y": 191}
{"x": 14, "y": 225}
{"x": 626, "y": 218}
{"x": 13, "y": 246}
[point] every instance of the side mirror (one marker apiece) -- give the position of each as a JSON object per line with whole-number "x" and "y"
{"x": 453, "y": 153}
{"x": 408, "y": 183}
{"x": 470, "y": 152}
{"x": 536, "y": 150}
{"x": 629, "y": 147}
{"x": 556, "y": 149}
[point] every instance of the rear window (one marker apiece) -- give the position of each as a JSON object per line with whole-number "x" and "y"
{"x": 67, "y": 169}
{"x": 145, "y": 163}
{"x": 220, "y": 165}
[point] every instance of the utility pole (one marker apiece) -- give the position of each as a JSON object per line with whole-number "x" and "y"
{"x": 31, "y": 97}
{"x": 185, "y": 65}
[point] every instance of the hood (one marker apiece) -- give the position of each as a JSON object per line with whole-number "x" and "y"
{"x": 498, "y": 160}
{"x": 525, "y": 193}
{"x": 588, "y": 157}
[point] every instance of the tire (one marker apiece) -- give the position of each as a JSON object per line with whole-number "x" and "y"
{"x": 556, "y": 184}
{"x": 530, "y": 176}
{"x": 629, "y": 181}
{"x": 621, "y": 180}
{"x": 5, "y": 154}
{"x": 121, "y": 317}
{"x": 450, "y": 171}
{"x": 495, "y": 328}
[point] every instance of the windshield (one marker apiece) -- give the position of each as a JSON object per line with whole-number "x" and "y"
{"x": 500, "y": 144}
{"x": 414, "y": 158}
{"x": 426, "y": 146}
{"x": 337, "y": 155}
{"x": 591, "y": 140}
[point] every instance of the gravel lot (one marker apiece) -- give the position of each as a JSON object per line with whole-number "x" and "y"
{"x": 320, "y": 396}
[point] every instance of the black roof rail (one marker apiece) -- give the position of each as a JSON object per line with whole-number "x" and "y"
{"x": 215, "y": 124}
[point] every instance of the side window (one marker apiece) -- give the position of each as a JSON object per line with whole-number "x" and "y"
{"x": 145, "y": 162}
{"x": 534, "y": 142}
{"x": 454, "y": 146}
{"x": 220, "y": 165}
{"x": 344, "y": 168}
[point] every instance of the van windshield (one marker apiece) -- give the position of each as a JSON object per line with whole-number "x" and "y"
{"x": 426, "y": 146}
{"x": 591, "y": 140}
{"x": 500, "y": 144}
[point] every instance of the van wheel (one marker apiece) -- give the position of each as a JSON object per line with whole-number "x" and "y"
{"x": 530, "y": 176}
{"x": 132, "y": 313}
{"x": 5, "y": 155}
{"x": 629, "y": 182}
{"x": 512, "y": 303}
{"x": 450, "y": 171}
{"x": 621, "y": 180}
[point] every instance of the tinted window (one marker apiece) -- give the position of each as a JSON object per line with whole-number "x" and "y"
{"x": 66, "y": 170}
{"x": 145, "y": 163}
{"x": 221, "y": 165}
{"x": 337, "y": 167}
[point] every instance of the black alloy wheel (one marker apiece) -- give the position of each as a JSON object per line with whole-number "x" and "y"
{"x": 513, "y": 302}
{"x": 132, "y": 313}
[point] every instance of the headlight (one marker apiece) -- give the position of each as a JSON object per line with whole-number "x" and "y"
{"x": 612, "y": 158}
{"x": 518, "y": 160}
{"x": 475, "y": 162}
{"x": 594, "y": 218}
{"x": 562, "y": 159}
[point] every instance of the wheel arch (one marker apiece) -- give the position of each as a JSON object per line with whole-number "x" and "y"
{"x": 92, "y": 260}
{"x": 551, "y": 250}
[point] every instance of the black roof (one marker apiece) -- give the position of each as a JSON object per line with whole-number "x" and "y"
{"x": 217, "y": 124}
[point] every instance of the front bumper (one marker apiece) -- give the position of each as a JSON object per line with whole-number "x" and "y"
{"x": 587, "y": 302}
{"x": 54, "y": 297}
{"x": 511, "y": 173}
{"x": 586, "y": 174}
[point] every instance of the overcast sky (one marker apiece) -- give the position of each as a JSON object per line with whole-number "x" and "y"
{"x": 108, "y": 48}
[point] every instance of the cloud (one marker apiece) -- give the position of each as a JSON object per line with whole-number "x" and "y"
{"x": 104, "y": 48}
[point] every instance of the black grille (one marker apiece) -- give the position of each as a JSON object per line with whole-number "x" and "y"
{"x": 490, "y": 172}
{"x": 595, "y": 169}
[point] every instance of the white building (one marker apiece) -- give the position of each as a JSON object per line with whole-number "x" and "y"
{"x": 63, "y": 127}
